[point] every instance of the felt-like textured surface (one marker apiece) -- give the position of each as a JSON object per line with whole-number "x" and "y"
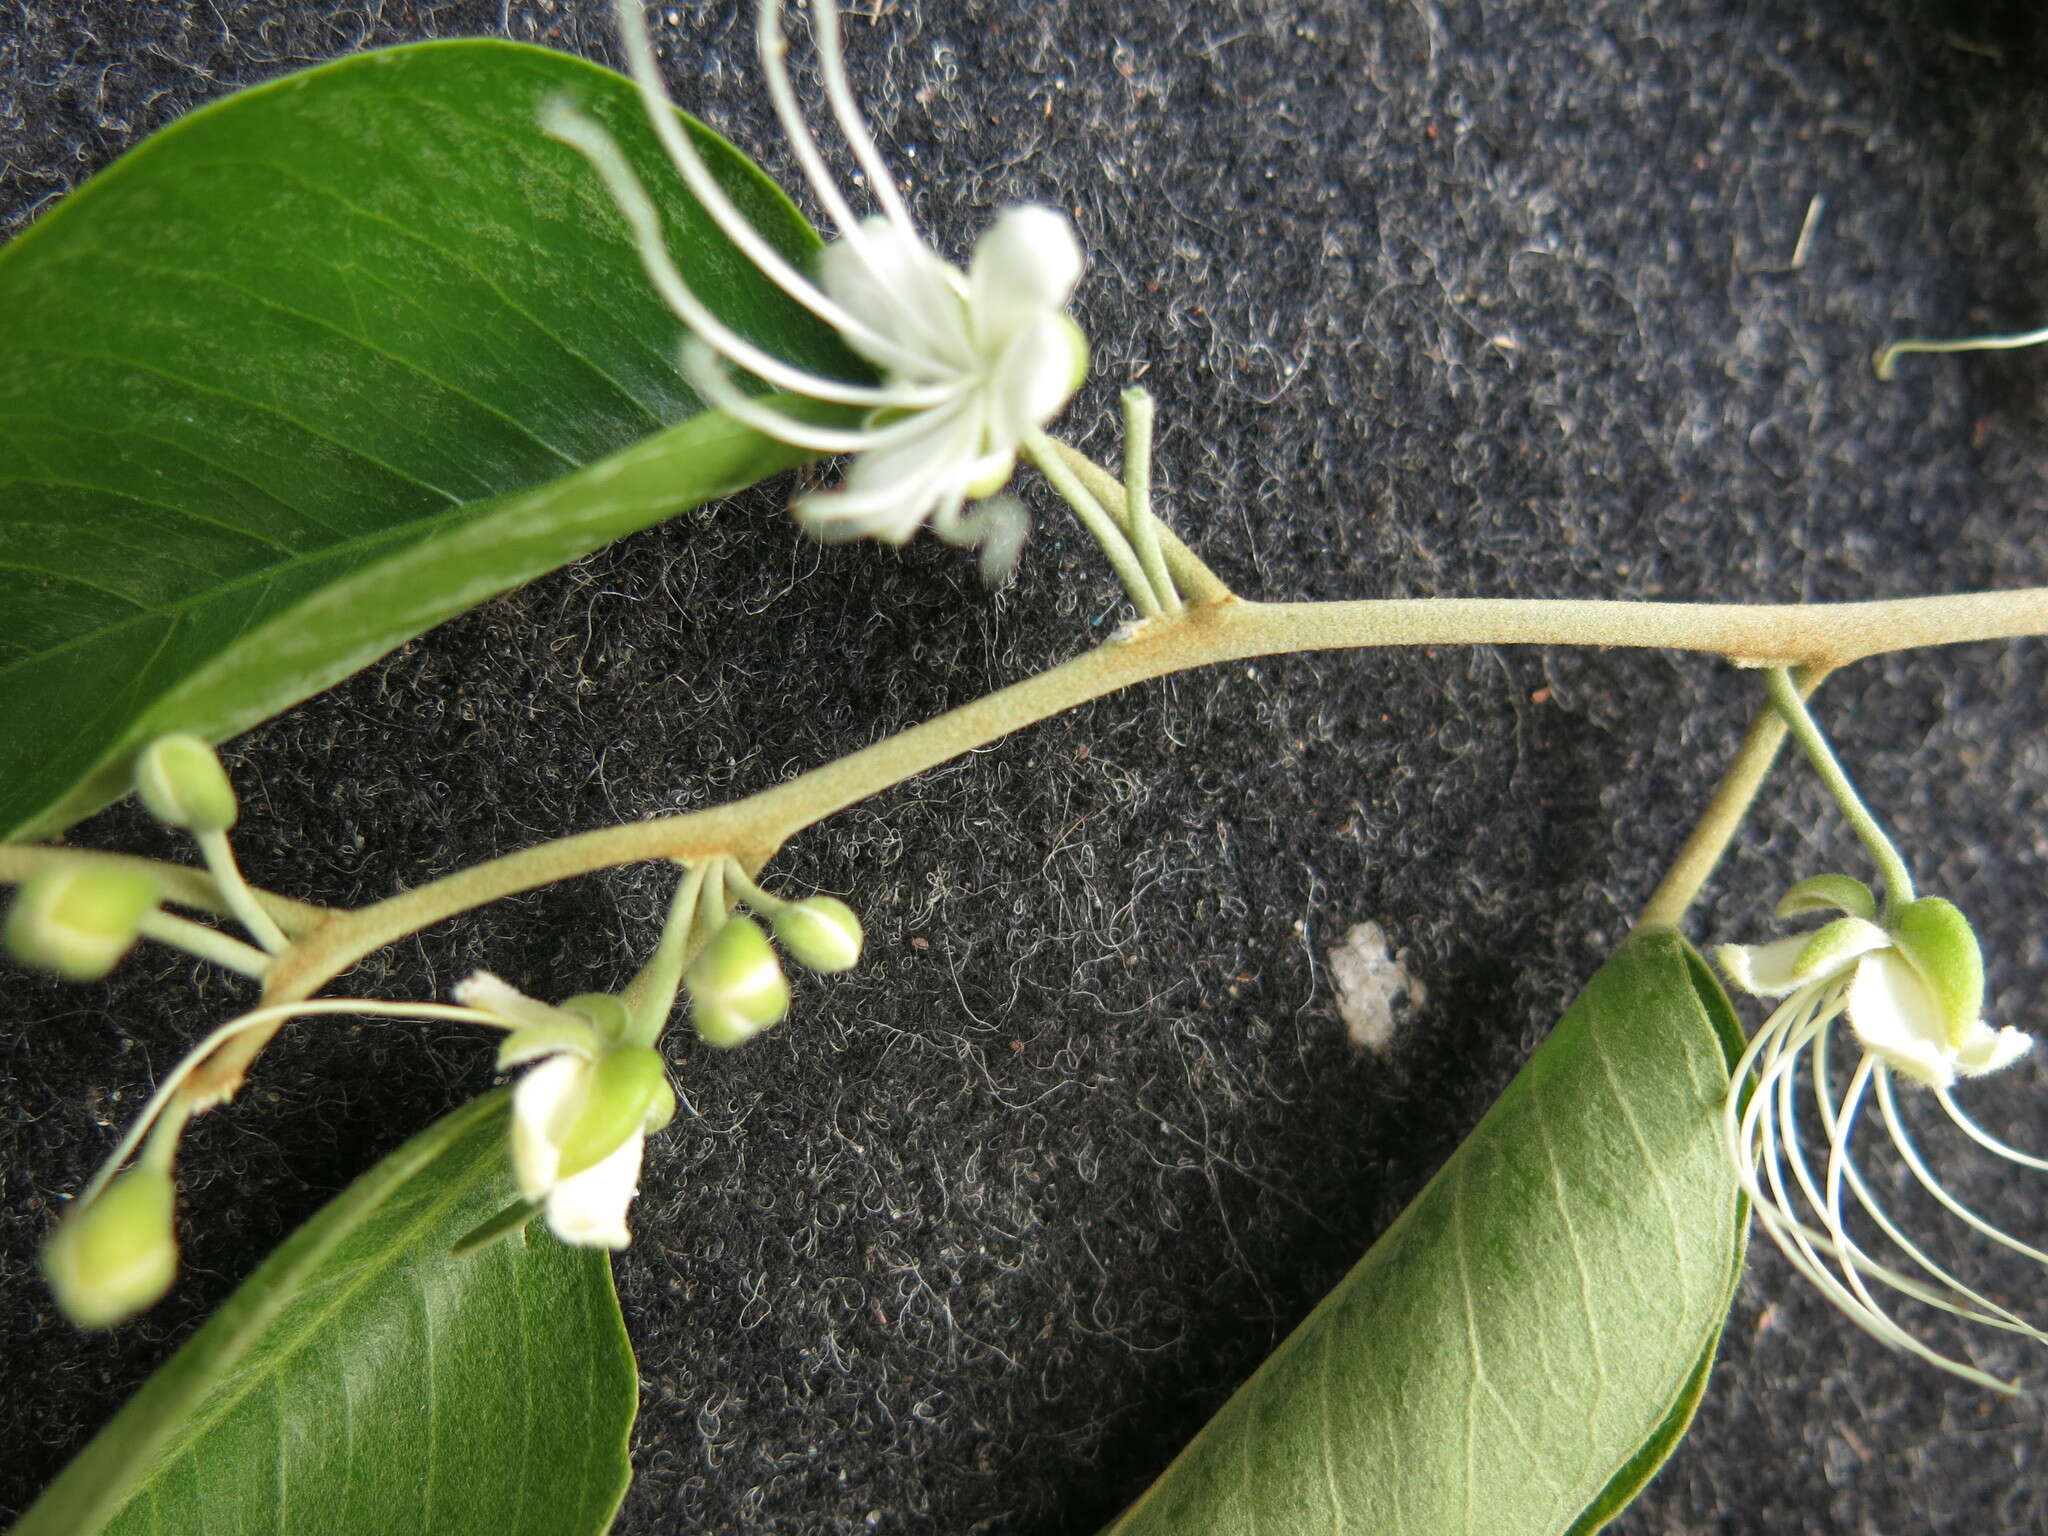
{"x": 1436, "y": 298}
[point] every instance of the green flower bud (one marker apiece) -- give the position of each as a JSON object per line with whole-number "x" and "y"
{"x": 821, "y": 932}
{"x": 603, "y": 1010}
{"x": 621, "y": 1089}
{"x": 1940, "y": 944}
{"x": 183, "y": 785}
{"x": 737, "y": 988}
{"x": 117, "y": 1255}
{"x": 78, "y": 919}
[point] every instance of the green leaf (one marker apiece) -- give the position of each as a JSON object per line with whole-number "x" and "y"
{"x": 366, "y": 1379}
{"x": 323, "y": 364}
{"x": 1525, "y": 1345}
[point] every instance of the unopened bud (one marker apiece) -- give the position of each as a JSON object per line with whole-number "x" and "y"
{"x": 78, "y": 919}
{"x": 737, "y": 988}
{"x": 821, "y": 932}
{"x": 183, "y": 785}
{"x": 118, "y": 1254}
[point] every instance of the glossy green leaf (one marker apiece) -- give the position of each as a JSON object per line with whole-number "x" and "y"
{"x": 1525, "y": 1345}
{"x": 323, "y": 364}
{"x": 367, "y": 1380}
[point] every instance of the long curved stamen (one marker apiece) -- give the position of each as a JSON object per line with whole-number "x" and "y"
{"x": 1772, "y": 1102}
{"x": 1803, "y": 1245}
{"x": 702, "y": 369}
{"x": 571, "y": 127}
{"x": 1991, "y": 1313}
{"x": 1911, "y": 1153}
{"x": 1983, "y": 1309}
{"x": 256, "y": 1019}
{"x": 1984, "y": 1138}
{"x": 661, "y": 112}
{"x": 1799, "y": 1244}
{"x": 772, "y": 42}
{"x": 838, "y": 91}
{"x": 1840, "y": 1126}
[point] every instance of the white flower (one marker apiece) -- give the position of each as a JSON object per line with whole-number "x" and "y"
{"x": 973, "y": 365}
{"x": 1911, "y": 989}
{"x": 580, "y": 1117}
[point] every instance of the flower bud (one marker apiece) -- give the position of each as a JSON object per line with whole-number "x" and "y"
{"x": 820, "y": 932}
{"x": 116, "y": 1255}
{"x": 78, "y": 919}
{"x": 183, "y": 785}
{"x": 620, "y": 1090}
{"x": 737, "y": 988}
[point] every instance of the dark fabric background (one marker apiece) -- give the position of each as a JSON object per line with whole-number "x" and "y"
{"x": 1437, "y": 298}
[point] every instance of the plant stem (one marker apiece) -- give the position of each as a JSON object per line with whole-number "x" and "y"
{"x": 1095, "y": 518}
{"x": 180, "y": 884}
{"x": 207, "y": 943}
{"x": 752, "y": 829}
{"x": 1194, "y": 581}
{"x": 651, "y": 995}
{"x": 746, "y": 891}
{"x": 235, "y": 891}
{"x": 1715, "y": 830}
{"x": 1898, "y": 881}
{"x": 1137, "y": 508}
{"x": 1216, "y": 626}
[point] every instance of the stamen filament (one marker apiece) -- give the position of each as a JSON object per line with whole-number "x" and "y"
{"x": 1984, "y": 1138}
{"x": 839, "y": 92}
{"x": 580, "y": 133}
{"x": 1887, "y": 357}
{"x": 689, "y": 164}
{"x": 704, "y": 370}
{"x": 1910, "y": 1152}
{"x": 1144, "y": 531}
{"x": 1992, "y": 1313}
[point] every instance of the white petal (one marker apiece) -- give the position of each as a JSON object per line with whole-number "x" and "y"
{"x": 1897, "y": 1019}
{"x": 1762, "y": 970}
{"x": 1985, "y": 1049}
{"x": 1831, "y": 949}
{"x": 1034, "y": 378}
{"x": 894, "y": 283}
{"x": 890, "y": 491}
{"x": 544, "y": 1106}
{"x": 487, "y": 994}
{"x": 1025, "y": 267}
{"x": 589, "y": 1209}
